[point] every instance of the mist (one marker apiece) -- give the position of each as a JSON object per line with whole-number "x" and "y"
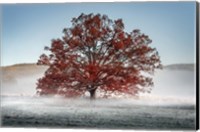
{"x": 170, "y": 105}
{"x": 170, "y": 85}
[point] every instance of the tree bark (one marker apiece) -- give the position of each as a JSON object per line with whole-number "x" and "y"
{"x": 92, "y": 94}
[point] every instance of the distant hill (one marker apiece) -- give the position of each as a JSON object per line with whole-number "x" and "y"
{"x": 23, "y": 69}
{"x": 28, "y": 68}
{"x": 173, "y": 80}
{"x": 10, "y": 73}
{"x": 186, "y": 67}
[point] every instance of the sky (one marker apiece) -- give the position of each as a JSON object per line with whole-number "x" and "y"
{"x": 27, "y": 28}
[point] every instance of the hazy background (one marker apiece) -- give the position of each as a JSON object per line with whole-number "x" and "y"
{"x": 174, "y": 84}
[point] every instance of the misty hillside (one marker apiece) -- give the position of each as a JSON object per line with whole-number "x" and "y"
{"x": 22, "y": 69}
{"x": 187, "y": 67}
{"x": 20, "y": 79}
{"x": 175, "y": 80}
{"x": 11, "y": 73}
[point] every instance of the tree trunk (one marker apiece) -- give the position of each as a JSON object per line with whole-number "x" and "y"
{"x": 92, "y": 93}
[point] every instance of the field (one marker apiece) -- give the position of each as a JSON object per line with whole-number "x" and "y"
{"x": 100, "y": 113}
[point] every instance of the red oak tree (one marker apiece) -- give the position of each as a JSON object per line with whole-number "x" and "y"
{"x": 96, "y": 53}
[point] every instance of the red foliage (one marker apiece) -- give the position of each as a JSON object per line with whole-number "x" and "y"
{"x": 96, "y": 53}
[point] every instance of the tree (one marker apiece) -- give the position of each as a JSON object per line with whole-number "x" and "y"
{"x": 96, "y": 53}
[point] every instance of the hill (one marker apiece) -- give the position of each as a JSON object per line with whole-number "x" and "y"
{"x": 11, "y": 73}
{"x": 29, "y": 69}
{"x": 187, "y": 67}
{"x": 173, "y": 80}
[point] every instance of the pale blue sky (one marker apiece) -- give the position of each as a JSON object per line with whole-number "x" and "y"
{"x": 27, "y": 28}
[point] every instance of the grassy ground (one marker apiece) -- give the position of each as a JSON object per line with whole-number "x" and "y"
{"x": 105, "y": 114}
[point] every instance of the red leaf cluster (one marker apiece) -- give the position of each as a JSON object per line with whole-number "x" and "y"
{"x": 96, "y": 53}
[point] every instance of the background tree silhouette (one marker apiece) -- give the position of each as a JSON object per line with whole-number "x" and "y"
{"x": 96, "y": 53}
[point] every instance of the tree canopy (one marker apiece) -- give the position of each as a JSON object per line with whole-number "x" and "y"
{"x": 97, "y": 53}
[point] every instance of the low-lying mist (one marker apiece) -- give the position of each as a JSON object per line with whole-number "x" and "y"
{"x": 171, "y": 86}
